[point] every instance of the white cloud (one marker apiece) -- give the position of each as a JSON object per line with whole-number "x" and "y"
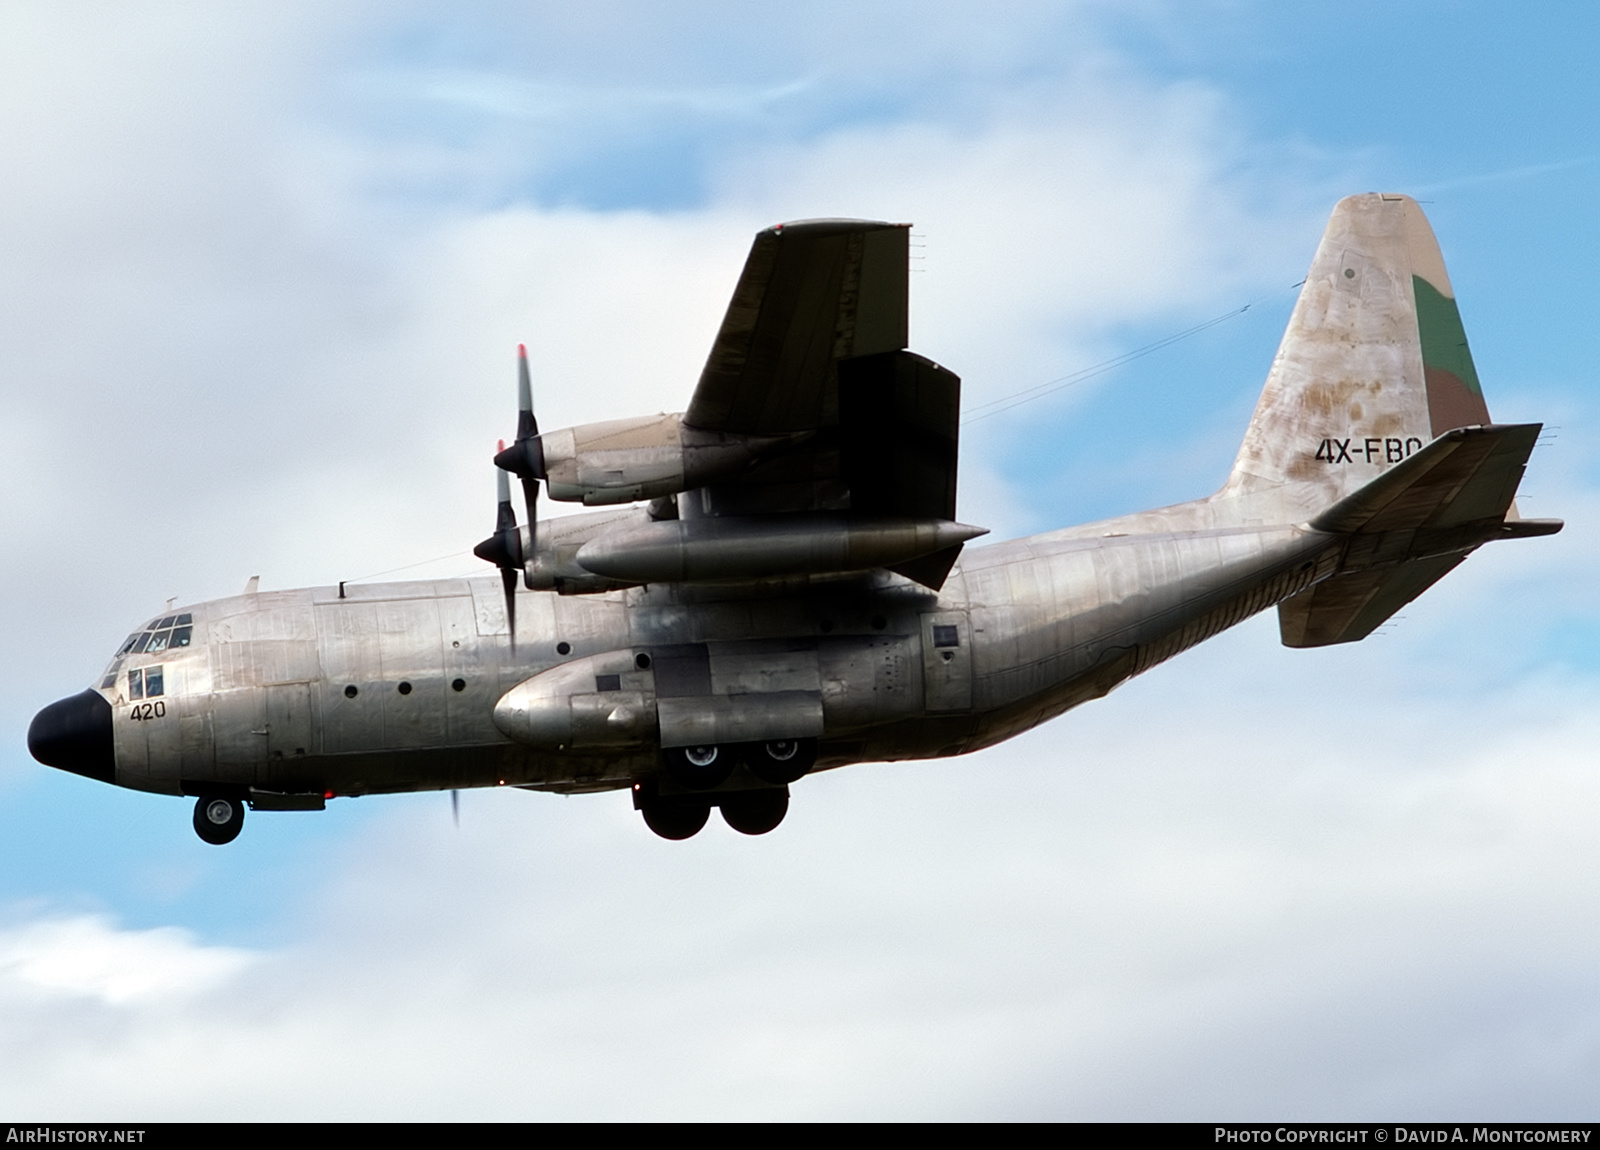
{"x": 88, "y": 956}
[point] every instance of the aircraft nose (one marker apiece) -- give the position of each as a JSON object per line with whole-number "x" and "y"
{"x": 74, "y": 734}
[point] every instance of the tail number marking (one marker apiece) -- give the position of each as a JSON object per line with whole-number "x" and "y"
{"x": 1369, "y": 451}
{"x": 145, "y": 711}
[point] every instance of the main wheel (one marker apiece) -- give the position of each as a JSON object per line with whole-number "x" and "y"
{"x": 218, "y": 820}
{"x": 781, "y": 761}
{"x": 755, "y": 812}
{"x": 699, "y": 768}
{"x": 678, "y": 819}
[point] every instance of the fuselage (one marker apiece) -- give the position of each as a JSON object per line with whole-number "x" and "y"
{"x": 390, "y": 687}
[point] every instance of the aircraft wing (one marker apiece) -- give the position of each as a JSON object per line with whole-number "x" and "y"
{"x": 813, "y": 349}
{"x": 812, "y": 293}
{"x": 1410, "y": 527}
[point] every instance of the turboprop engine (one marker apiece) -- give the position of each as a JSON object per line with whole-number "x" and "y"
{"x": 626, "y": 460}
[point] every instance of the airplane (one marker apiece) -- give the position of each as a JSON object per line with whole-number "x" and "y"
{"x": 775, "y": 582}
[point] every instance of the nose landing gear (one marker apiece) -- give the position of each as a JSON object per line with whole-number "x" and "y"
{"x": 218, "y": 820}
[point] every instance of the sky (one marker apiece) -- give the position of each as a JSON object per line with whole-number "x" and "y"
{"x": 263, "y": 273}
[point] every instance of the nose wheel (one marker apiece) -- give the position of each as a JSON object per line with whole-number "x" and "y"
{"x": 218, "y": 820}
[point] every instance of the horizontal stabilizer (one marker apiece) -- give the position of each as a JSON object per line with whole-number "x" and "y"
{"x": 1468, "y": 475}
{"x": 1351, "y": 606}
{"x": 1410, "y": 527}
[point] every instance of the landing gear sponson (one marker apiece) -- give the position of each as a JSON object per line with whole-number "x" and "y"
{"x": 750, "y": 810}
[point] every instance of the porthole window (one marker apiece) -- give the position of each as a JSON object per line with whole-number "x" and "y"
{"x": 642, "y": 661}
{"x": 563, "y": 648}
{"x": 458, "y": 685}
{"x": 879, "y": 622}
{"x": 350, "y": 691}
{"x": 405, "y": 688}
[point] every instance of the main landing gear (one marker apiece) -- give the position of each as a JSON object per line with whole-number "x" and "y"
{"x": 218, "y": 820}
{"x": 751, "y": 810}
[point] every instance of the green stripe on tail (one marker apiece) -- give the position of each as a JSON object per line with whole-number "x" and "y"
{"x": 1455, "y": 397}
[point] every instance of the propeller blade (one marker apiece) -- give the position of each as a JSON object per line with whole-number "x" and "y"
{"x": 508, "y": 583}
{"x": 504, "y": 548}
{"x": 529, "y": 454}
{"x": 455, "y": 808}
{"x": 527, "y": 426}
{"x": 530, "y": 499}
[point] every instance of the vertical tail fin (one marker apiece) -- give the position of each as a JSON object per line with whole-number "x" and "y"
{"x": 1373, "y": 366}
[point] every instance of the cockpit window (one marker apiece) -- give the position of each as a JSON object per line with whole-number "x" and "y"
{"x": 171, "y": 632}
{"x": 146, "y": 683}
{"x": 165, "y": 634}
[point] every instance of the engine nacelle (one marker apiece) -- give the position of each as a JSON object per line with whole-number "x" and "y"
{"x": 596, "y": 702}
{"x": 552, "y": 563}
{"x": 625, "y": 460}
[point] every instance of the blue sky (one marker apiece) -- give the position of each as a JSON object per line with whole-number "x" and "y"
{"x": 265, "y": 269}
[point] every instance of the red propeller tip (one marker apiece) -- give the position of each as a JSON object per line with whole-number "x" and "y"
{"x": 501, "y": 447}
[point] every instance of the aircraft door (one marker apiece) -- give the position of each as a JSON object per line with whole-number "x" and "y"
{"x": 241, "y": 732}
{"x": 946, "y": 661}
{"x": 288, "y": 707}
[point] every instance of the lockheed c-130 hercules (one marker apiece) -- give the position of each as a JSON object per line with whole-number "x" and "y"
{"x": 779, "y": 584}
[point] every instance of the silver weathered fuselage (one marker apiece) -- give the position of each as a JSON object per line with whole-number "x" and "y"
{"x": 394, "y": 687}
